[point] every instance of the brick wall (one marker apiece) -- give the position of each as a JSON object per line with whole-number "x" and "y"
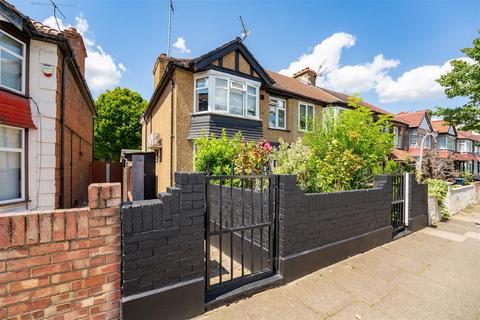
{"x": 163, "y": 238}
{"x": 63, "y": 264}
{"x": 309, "y": 221}
{"x": 417, "y": 204}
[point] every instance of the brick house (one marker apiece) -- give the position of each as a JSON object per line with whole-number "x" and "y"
{"x": 227, "y": 88}
{"x": 461, "y": 146}
{"x": 46, "y": 115}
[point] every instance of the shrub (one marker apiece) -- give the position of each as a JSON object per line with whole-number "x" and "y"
{"x": 439, "y": 189}
{"x": 296, "y": 158}
{"x": 216, "y": 155}
{"x": 252, "y": 158}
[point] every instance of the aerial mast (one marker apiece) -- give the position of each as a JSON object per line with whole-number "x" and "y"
{"x": 171, "y": 10}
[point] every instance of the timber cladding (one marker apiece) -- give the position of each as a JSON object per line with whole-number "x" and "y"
{"x": 63, "y": 263}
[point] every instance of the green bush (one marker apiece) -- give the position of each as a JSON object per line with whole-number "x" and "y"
{"x": 216, "y": 155}
{"x": 439, "y": 189}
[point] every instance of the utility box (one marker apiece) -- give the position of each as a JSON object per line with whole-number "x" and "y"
{"x": 139, "y": 171}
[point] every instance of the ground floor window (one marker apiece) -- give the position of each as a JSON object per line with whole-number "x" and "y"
{"x": 11, "y": 164}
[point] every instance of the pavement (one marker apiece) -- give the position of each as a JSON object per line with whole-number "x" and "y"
{"x": 430, "y": 274}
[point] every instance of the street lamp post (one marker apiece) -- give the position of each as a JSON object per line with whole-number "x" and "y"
{"x": 432, "y": 134}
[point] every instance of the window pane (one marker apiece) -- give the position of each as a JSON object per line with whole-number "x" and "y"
{"x": 303, "y": 117}
{"x": 10, "y": 44}
{"x": 221, "y": 83}
{"x": 252, "y": 90}
{"x": 238, "y": 85}
{"x": 10, "y": 138}
{"x": 236, "y": 102}
{"x": 11, "y": 71}
{"x": 10, "y": 175}
{"x": 221, "y": 99}
{"x": 271, "y": 118}
{"x": 281, "y": 118}
{"x": 202, "y": 99}
{"x": 251, "y": 105}
{"x": 202, "y": 83}
{"x": 310, "y": 118}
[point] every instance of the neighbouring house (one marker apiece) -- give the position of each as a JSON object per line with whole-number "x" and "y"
{"x": 227, "y": 89}
{"x": 46, "y": 115}
{"x": 467, "y": 158}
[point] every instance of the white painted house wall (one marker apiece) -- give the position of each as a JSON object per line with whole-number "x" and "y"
{"x": 41, "y": 151}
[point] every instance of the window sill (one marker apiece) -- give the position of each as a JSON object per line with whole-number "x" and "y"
{"x": 17, "y": 93}
{"x": 278, "y": 129}
{"x": 12, "y": 202}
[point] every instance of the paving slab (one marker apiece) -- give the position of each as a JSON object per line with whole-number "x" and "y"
{"x": 430, "y": 274}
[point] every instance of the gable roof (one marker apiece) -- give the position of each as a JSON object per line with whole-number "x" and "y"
{"x": 413, "y": 119}
{"x": 440, "y": 126}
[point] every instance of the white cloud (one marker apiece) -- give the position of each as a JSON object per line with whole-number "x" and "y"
{"x": 181, "y": 45}
{"x": 102, "y": 72}
{"x": 327, "y": 53}
{"x": 415, "y": 84}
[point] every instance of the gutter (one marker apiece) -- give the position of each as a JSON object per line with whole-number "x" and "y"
{"x": 62, "y": 134}
{"x": 172, "y": 137}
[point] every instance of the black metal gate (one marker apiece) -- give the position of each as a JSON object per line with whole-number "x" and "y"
{"x": 241, "y": 230}
{"x": 398, "y": 203}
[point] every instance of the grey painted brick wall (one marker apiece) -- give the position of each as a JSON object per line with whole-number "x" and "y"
{"x": 308, "y": 221}
{"x": 162, "y": 239}
{"x": 418, "y": 204}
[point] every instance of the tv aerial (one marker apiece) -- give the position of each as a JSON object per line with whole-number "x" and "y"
{"x": 245, "y": 32}
{"x": 56, "y": 9}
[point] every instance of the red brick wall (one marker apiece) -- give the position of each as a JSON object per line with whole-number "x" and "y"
{"x": 63, "y": 264}
{"x": 78, "y": 141}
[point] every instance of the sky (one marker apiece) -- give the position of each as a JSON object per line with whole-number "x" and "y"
{"x": 390, "y": 52}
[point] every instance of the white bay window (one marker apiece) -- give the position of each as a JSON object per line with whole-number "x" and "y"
{"x": 11, "y": 164}
{"x": 231, "y": 94}
{"x": 12, "y": 63}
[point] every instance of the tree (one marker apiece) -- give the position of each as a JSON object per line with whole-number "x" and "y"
{"x": 342, "y": 153}
{"x": 463, "y": 81}
{"x": 117, "y": 123}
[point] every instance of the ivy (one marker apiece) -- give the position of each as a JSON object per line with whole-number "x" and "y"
{"x": 439, "y": 189}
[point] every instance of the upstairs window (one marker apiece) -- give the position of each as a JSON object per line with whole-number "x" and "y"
{"x": 277, "y": 113}
{"x": 465, "y": 146}
{"x": 201, "y": 94}
{"x": 230, "y": 94}
{"x": 395, "y": 136}
{"x": 306, "y": 116}
{"x": 413, "y": 137}
{"x": 12, "y": 63}
{"x": 446, "y": 142}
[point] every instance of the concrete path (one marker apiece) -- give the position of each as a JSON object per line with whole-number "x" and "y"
{"x": 431, "y": 274}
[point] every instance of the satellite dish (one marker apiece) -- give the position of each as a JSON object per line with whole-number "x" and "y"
{"x": 245, "y": 32}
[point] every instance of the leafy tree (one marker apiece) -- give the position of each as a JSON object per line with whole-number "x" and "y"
{"x": 117, "y": 123}
{"x": 463, "y": 81}
{"x": 343, "y": 153}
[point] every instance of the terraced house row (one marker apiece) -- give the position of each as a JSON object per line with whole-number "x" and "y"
{"x": 228, "y": 89}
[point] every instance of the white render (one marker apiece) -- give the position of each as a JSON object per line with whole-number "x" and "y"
{"x": 41, "y": 148}
{"x": 460, "y": 198}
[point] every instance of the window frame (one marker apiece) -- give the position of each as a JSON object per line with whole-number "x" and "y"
{"x": 284, "y": 108}
{"x": 396, "y": 137}
{"x": 306, "y": 114}
{"x": 23, "y": 59}
{"x": 211, "y": 75}
{"x": 22, "y": 165}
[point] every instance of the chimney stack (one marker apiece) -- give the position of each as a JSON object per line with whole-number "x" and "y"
{"x": 307, "y": 76}
{"x": 159, "y": 68}
{"x": 76, "y": 42}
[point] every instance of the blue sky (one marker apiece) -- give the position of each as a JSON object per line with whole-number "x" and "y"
{"x": 389, "y": 51}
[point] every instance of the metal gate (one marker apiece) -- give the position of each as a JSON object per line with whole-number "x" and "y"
{"x": 398, "y": 203}
{"x": 241, "y": 230}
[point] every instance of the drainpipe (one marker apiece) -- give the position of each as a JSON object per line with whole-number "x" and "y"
{"x": 62, "y": 134}
{"x": 171, "y": 131}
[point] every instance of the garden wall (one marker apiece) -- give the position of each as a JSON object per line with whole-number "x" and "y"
{"x": 417, "y": 204}
{"x": 163, "y": 252}
{"x": 459, "y": 198}
{"x": 63, "y": 264}
{"x": 317, "y": 230}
